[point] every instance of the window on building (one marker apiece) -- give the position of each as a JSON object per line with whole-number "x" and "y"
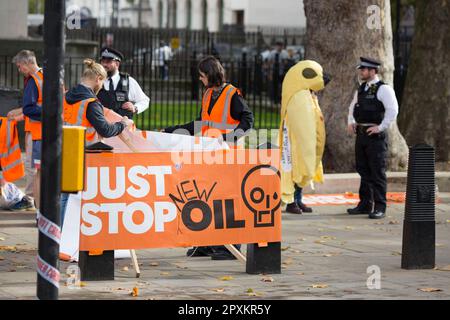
{"x": 239, "y": 17}
{"x": 204, "y": 15}
{"x": 160, "y": 13}
{"x": 174, "y": 13}
{"x": 189, "y": 14}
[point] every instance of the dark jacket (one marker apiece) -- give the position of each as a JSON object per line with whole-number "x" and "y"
{"x": 94, "y": 112}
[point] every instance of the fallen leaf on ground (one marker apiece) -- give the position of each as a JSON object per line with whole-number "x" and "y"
{"x": 448, "y": 221}
{"x": 285, "y": 248}
{"x": 218, "y": 290}
{"x": 2, "y": 239}
{"x": 83, "y": 284}
{"x": 226, "y": 278}
{"x": 301, "y": 239}
{"x": 154, "y": 264}
{"x": 394, "y": 222}
{"x": 8, "y": 248}
{"x": 267, "y": 279}
{"x": 135, "y": 292}
{"x": 319, "y": 286}
{"x": 327, "y": 238}
{"x": 125, "y": 268}
{"x": 439, "y": 245}
{"x": 429, "y": 289}
{"x": 300, "y": 273}
{"x": 396, "y": 253}
{"x": 164, "y": 273}
{"x": 446, "y": 268}
{"x": 319, "y": 241}
{"x": 250, "y": 290}
{"x": 287, "y": 262}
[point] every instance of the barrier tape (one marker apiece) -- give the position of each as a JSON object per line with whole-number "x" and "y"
{"x": 49, "y": 228}
{"x": 48, "y": 272}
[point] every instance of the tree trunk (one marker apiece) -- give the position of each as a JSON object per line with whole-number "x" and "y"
{"x": 425, "y": 113}
{"x": 337, "y": 34}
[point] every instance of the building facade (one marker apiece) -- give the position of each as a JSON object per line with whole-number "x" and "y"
{"x": 212, "y": 15}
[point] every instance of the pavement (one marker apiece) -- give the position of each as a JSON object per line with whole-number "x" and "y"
{"x": 325, "y": 255}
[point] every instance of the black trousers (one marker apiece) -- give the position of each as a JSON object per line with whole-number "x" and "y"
{"x": 371, "y": 158}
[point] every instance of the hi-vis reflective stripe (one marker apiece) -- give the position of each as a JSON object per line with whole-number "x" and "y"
{"x": 13, "y": 164}
{"x": 79, "y": 122}
{"x": 227, "y": 105}
{"x": 48, "y": 272}
{"x": 81, "y": 111}
{"x": 8, "y": 143}
{"x": 224, "y": 124}
{"x": 218, "y": 125}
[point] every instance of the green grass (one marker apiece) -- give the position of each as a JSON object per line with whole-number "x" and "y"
{"x": 162, "y": 115}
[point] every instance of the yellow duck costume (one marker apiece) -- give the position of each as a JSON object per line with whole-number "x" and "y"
{"x": 302, "y": 131}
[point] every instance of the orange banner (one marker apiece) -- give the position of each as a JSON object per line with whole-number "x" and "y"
{"x": 153, "y": 200}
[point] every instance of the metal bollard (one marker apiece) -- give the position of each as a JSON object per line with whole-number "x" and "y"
{"x": 419, "y": 229}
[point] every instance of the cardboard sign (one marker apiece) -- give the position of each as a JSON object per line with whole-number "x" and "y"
{"x": 150, "y": 200}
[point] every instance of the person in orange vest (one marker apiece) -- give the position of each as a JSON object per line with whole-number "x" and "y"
{"x": 224, "y": 115}
{"x": 31, "y": 112}
{"x": 82, "y": 108}
{"x": 11, "y": 164}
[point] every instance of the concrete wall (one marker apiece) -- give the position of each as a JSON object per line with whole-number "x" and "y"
{"x": 13, "y": 19}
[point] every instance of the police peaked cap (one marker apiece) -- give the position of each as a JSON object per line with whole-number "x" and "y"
{"x": 110, "y": 53}
{"x": 368, "y": 63}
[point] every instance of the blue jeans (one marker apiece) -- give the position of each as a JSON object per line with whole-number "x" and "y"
{"x": 63, "y": 202}
{"x": 298, "y": 195}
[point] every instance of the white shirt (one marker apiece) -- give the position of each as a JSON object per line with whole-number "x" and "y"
{"x": 161, "y": 55}
{"x": 387, "y": 96}
{"x": 135, "y": 94}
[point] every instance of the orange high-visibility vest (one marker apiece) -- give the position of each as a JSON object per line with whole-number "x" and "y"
{"x": 10, "y": 155}
{"x": 34, "y": 126}
{"x": 220, "y": 120}
{"x": 75, "y": 115}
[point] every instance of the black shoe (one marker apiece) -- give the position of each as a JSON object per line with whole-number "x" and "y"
{"x": 293, "y": 208}
{"x": 358, "y": 210}
{"x": 222, "y": 256}
{"x": 304, "y": 208}
{"x": 377, "y": 214}
{"x": 199, "y": 252}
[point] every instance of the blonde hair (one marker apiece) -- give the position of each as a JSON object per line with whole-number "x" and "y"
{"x": 25, "y": 57}
{"x": 93, "y": 70}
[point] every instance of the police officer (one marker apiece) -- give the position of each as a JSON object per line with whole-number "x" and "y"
{"x": 120, "y": 93}
{"x": 373, "y": 109}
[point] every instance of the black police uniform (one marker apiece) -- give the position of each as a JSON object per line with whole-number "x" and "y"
{"x": 114, "y": 98}
{"x": 370, "y": 151}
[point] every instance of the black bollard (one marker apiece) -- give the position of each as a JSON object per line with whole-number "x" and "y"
{"x": 264, "y": 259}
{"x": 419, "y": 229}
{"x": 96, "y": 267}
